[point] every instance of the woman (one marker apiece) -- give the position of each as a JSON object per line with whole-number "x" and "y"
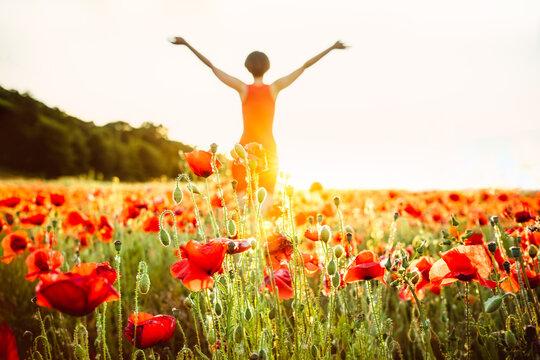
{"x": 258, "y": 105}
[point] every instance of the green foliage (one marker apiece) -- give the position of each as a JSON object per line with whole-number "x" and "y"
{"x": 41, "y": 141}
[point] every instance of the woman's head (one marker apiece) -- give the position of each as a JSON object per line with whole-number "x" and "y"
{"x": 257, "y": 63}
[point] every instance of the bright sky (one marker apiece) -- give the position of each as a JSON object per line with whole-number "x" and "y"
{"x": 432, "y": 94}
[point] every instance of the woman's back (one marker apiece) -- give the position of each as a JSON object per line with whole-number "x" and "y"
{"x": 258, "y": 115}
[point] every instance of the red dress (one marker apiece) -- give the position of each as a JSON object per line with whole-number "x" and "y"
{"x": 258, "y": 113}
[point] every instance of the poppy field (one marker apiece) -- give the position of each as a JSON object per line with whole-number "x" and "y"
{"x": 203, "y": 268}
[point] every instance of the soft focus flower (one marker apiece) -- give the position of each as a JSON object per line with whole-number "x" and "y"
{"x": 57, "y": 199}
{"x": 151, "y": 330}
{"x": 283, "y": 282}
{"x": 15, "y": 243}
{"x": 79, "y": 291}
{"x": 42, "y": 261}
{"x": 8, "y": 344}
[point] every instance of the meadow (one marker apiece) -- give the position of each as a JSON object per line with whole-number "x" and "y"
{"x": 202, "y": 270}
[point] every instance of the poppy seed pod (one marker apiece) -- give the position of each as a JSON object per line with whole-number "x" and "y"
{"x": 290, "y": 190}
{"x": 506, "y": 266}
{"x": 178, "y": 195}
{"x": 337, "y": 200}
{"x": 261, "y": 195}
{"x": 336, "y": 280}
{"x": 240, "y": 151}
{"x": 118, "y": 245}
{"x": 234, "y": 184}
{"x": 516, "y": 252}
{"x": 320, "y": 218}
{"x": 492, "y": 246}
{"x": 325, "y": 234}
{"x": 231, "y": 228}
{"x": 164, "y": 237}
{"x": 213, "y": 148}
{"x": 533, "y": 251}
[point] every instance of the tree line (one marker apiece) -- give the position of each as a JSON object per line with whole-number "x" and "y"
{"x": 37, "y": 140}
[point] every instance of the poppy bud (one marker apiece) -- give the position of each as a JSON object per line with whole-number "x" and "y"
{"x": 336, "y": 280}
{"x": 311, "y": 220}
{"x": 417, "y": 242}
{"x": 218, "y": 309}
{"x": 492, "y": 246}
{"x": 144, "y": 284}
{"x": 118, "y": 245}
{"x": 194, "y": 189}
{"x": 290, "y": 190}
{"x": 388, "y": 263}
{"x": 234, "y": 184}
{"x": 337, "y": 200}
{"x": 231, "y": 228}
{"x": 506, "y": 266}
{"x": 453, "y": 221}
{"x": 238, "y": 334}
{"x": 248, "y": 314}
{"x": 211, "y": 336}
{"x": 314, "y": 351}
{"x": 213, "y": 148}
{"x": 510, "y": 339}
{"x": 396, "y": 216}
{"x": 164, "y": 237}
{"x": 272, "y": 313}
{"x": 325, "y": 234}
{"x": 262, "y": 354}
{"x": 339, "y": 251}
{"x": 178, "y": 195}
{"x": 516, "y": 252}
{"x": 349, "y": 237}
{"x": 240, "y": 151}
{"x": 176, "y": 313}
{"x": 495, "y": 219}
{"x": 493, "y": 303}
{"x": 331, "y": 267}
{"x": 253, "y": 165}
{"x": 230, "y": 247}
{"x": 395, "y": 283}
{"x": 254, "y": 356}
{"x": 261, "y": 195}
{"x": 253, "y": 243}
{"x": 319, "y": 218}
{"x": 533, "y": 251}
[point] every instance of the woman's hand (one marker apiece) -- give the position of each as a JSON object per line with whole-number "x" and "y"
{"x": 339, "y": 45}
{"x": 178, "y": 41}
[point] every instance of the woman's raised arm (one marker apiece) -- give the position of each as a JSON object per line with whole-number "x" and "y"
{"x": 227, "y": 79}
{"x": 285, "y": 81}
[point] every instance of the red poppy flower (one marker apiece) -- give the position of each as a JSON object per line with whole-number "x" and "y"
{"x": 36, "y": 219}
{"x": 236, "y": 246}
{"x": 422, "y": 265}
{"x": 464, "y": 263}
{"x": 105, "y": 228}
{"x": 151, "y": 330}
{"x": 75, "y": 218}
{"x": 8, "y": 344}
{"x": 40, "y": 200}
{"x": 283, "y": 282}
{"x": 280, "y": 249}
{"x": 411, "y": 210}
{"x": 10, "y": 202}
{"x": 311, "y": 264}
{"x": 151, "y": 224}
{"x": 199, "y": 263}
{"x": 15, "y": 243}
{"x": 79, "y": 291}
{"x": 200, "y": 162}
{"x": 523, "y": 216}
{"x": 312, "y": 234}
{"x": 365, "y": 266}
{"x": 42, "y": 261}
{"x": 57, "y": 199}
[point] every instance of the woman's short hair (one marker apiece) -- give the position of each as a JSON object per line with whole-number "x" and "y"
{"x": 257, "y": 63}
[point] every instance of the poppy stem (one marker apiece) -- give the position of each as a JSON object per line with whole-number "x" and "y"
{"x": 220, "y": 190}
{"x": 375, "y": 314}
{"x": 424, "y": 326}
{"x": 467, "y": 335}
{"x": 195, "y": 208}
{"x": 119, "y": 311}
{"x": 215, "y": 226}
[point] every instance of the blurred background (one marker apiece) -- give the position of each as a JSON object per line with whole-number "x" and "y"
{"x": 431, "y": 94}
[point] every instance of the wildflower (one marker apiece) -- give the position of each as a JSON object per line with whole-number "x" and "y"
{"x": 464, "y": 263}
{"x": 365, "y": 266}
{"x": 200, "y": 162}
{"x": 8, "y": 344}
{"x": 283, "y": 282}
{"x": 10, "y": 202}
{"x": 15, "y": 243}
{"x": 199, "y": 263}
{"x": 151, "y": 330}
{"x": 42, "y": 261}
{"x": 422, "y": 266}
{"x": 280, "y": 249}
{"x": 57, "y": 199}
{"x": 79, "y": 291}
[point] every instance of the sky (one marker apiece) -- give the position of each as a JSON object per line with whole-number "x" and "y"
{"x": 430, "y": 94}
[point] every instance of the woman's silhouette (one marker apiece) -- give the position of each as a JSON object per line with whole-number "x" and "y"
{"x": 258, "y": 104}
